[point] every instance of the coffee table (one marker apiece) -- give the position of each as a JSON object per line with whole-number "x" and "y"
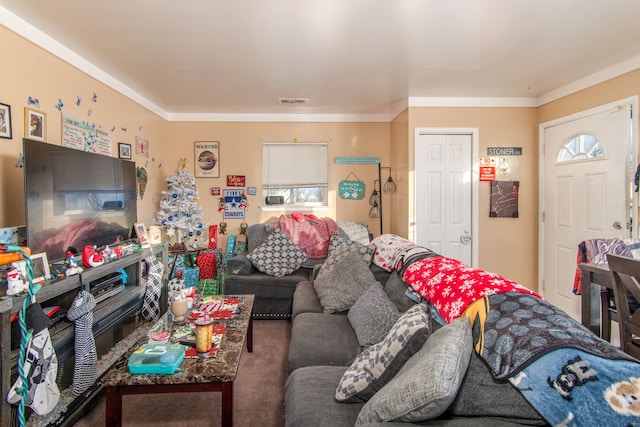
{"x": 195, "y": 375}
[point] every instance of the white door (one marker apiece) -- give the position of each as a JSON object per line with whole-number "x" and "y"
{"x": 585, "y": 162}
{"x": 443, "y": 194}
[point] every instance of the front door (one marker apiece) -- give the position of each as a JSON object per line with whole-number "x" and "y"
{"x": 443, "y": 194}
{"x": 585, "y": 197}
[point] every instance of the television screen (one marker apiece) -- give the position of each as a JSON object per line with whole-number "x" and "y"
{"x": 76, "y": 198}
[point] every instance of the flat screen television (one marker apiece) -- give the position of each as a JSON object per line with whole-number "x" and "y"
{"x": 76, "y": 198}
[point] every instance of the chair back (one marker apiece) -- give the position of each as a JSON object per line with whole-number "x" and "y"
{"x": 625, "y": 274}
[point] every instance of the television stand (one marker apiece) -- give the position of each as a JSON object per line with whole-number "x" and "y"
{"x": 116, "y": 327}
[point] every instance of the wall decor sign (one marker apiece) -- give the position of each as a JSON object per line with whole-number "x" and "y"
{"x": 5, "y": 121}
{"x": 215, "y": 191}
{"x": 504, "y": 199}
{"x": 252, "y": 191}
{"x": 357, "y": 160}
{"x": 207, "y": 159}
{"x": 35, "y": 124}
{"x": 233, "y": 203}
{"x": 86, "y": 136}
{"x": 124, "y": 150}
{"x": 236, "y": 180}
{"x": 142, "y": 146}
{"x": 351, "y": 189}
{"x": 504, "y": 151}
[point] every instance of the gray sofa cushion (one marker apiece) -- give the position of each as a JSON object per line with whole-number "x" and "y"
{"x": 309, "y": 399}
{"x": 278, "y": 255}
{"x": 305, "y": 300}
{"x": 378, "y": 364}
{"x": 341, "y": 284}
{"x": 428, "y": 382}
{"x": 322, "y": 339}
{"x": 480, "y": 395}
{"x": 396, "y": 289}
{"x": 372, "y": 315}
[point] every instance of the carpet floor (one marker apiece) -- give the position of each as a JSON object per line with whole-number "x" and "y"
{"x": 258, "y": 391}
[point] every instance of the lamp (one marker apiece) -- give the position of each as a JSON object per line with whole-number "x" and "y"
{"x": 374, "y": 199}
{"x": 374, "y": 212}
{"x": 389, "y": 186}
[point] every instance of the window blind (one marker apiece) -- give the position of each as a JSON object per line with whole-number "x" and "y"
{"x": 294, "y": 164}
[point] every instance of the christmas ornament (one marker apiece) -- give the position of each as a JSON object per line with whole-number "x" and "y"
{"x": 243, "y": 228}
{"x": 223, "y": 227}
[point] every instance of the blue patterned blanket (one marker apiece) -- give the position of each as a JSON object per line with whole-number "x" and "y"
{"x": 570, "y": 387}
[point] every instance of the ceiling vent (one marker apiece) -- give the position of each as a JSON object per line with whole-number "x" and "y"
{"x": 293, "y": 100}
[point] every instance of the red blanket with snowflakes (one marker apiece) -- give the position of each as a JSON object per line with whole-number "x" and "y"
{"x": 452, "y": 286}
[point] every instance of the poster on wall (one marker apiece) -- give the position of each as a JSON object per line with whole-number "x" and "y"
{"x": 207, "y": 159}
{"x": 233, "y": 203}
{"x": 86, "y": 136}
{"x": 504, "y": 199}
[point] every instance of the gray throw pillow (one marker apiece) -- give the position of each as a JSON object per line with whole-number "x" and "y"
{"x": 372, "y": 316}
{"x": 378, "y": 364}
{"x": 341, "y": 286}
{"x": 339, "y": 244}
{"x": 428, "y": 383}
{"x": 278, "y": 255}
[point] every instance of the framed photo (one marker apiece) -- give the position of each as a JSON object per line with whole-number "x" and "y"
{"x": 124, "y": 150}
{"x": 5, "y": 121}
{"x": 35, "y": 124}
{"x": 207, "y": 159}
{"x": 40, "y": 267}
{"x": 141, "y": 232}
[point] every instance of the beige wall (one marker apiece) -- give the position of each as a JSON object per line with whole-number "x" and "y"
{"x": 507, "y": 246}
{"x": 241, "y": 154}
{"x": 36, "y": 73}
{"x": 612, "y": 90}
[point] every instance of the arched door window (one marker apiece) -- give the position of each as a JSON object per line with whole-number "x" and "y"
{"x": 584, "y": 146}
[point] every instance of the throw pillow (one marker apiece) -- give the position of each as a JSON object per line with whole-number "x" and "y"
{"x": 377, "y": 365}
{"x": 428, "y": 383}
{"x": 372, "y": 316}
{"x": 341, "y": 286}
{"x": 278, "y": 255}
{"x": 340, "y": 247}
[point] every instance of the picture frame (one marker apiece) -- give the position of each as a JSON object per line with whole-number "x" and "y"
{"x": 124, "y": 150}
{"x": 5, "y": 121}
{"x": 207, "y": 159}
{"x": 41, "y": 269}
{"x": 141, "y": 233}
{"x": 35, "y": 124}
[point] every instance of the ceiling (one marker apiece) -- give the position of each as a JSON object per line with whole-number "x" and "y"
{"x": 202, "y": 58}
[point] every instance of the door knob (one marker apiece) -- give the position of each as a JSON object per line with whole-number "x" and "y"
{"x": 616, "y": 225}
{"x": 466, "y": 238}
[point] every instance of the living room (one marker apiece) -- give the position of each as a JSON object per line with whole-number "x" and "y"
{"x": 508, "y": 247}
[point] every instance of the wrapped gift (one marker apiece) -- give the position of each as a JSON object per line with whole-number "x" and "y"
{"x": 208, "y": 287}
{"x": 190, "y": 275}
{"x": 208, "y": 265}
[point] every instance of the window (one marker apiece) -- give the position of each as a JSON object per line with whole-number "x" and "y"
{"x": 295, "y": 171}
{"x": 581, "y": 147}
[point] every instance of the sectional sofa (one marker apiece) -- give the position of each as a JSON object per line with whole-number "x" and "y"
{"x": 368, "y": 348}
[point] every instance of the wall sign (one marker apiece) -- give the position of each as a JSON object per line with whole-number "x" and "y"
{"x": 357, "y": 160}
{"x": 487, "y": 173}
{"x": 235, "y": 180}
{"x": 504, "y": 151}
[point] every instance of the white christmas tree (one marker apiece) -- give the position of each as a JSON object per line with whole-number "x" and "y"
{"x": 179, "y": 208}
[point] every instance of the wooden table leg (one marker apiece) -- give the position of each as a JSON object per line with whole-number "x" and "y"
{"x": 250, "y": 335}
{"x": 113, "y": 407}
{"x": 227, "y": 404}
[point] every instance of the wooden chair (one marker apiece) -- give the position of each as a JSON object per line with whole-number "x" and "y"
{"x": 625, "y": 274}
